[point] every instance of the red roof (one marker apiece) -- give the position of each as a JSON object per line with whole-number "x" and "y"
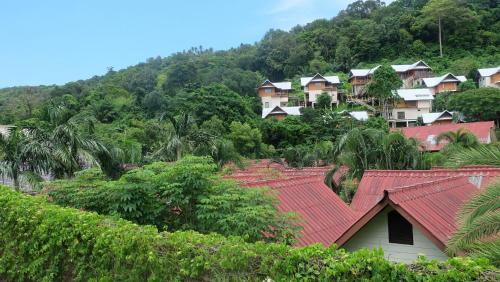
{"x": 427, "y": 134}
{"x": 429, "y": 199}
{"x": 375, "y": 182}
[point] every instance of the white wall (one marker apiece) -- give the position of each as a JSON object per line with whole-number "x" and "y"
{"x": 273, "y": 101}
{"x": 410, "y": 113}
{"x": 313, "y": 95}
{"x": 375, "y": 234}
{"x": 486, "y": 82}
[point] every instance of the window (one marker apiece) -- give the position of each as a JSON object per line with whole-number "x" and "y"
{"x": 318, "y": 85}
{"x": 400, "y": 230}
{"x": 268, "y": 90}
{"x": 401, "y": 115}
{"x": 266, "y": 105}
{"x": 283, "y": 104}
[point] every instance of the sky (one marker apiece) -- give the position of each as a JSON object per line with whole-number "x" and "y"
{"x": 58, "y": 41}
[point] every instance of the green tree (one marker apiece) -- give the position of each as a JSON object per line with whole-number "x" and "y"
{"x": 177, "y": 136}
{"x": 385, "y": 81}
{"x": 444, "y": 12}
{"x": 460, "y": 137}
{"x": 479, "y": 226}
{"x": 324, "y": 101}
{"x": 478, "y": 155}
{"x": 246, "y": 140}
{"x": 477, "y": 104}
{"x": 23, "y": 158}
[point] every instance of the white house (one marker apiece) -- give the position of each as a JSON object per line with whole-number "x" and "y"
{"x": 444, "y": 83}
{"x": 412, "y": 75}
{"x": 413, "y": 103}
{"x": 489, "y": 77}
{"x": 274, "y": 94}
{"x": 316, "y": 85}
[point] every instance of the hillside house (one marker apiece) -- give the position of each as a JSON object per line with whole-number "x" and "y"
{"x": 412, "y": 75}
{"x": 318, "y": 84}
{"x": 413, "y": 103}
{"x": 444, "y": 117}
{"x": 274, "y": 94}
{"x": 489, "y": 77}
{"x": 445, "y": 83}
{"x": 427, "y": 135}
{"x": 280, "y": 112}
{"x": 359, "y": 78}
{"x": 405, "y": 212}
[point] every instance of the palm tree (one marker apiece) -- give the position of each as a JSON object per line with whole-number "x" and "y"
{"x": 460, "y": 137}
{"x": 177, "y": 136}
{"x": 479, "y": 226}
{"x": 23, "y": 157}
{"x": 368, "y": 148}
{"x": 479, "y": 155}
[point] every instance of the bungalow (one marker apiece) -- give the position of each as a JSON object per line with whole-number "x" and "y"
{"x": 413, "y": 103}
{"x": 274, "y": 94}
{"x": 359, "y": 78}
{"x": 489, "y": 77}
{"x": 412, "y": 75}
{"x": 318, "y": 84}
{"x": 280, "y": 112}
{"x": 445, "y": 83}
{"x": 413, "y": 212}
{"x": 427, "y": 135}
{"x": 406, "y": 213}
{"x": 444, "y": 117}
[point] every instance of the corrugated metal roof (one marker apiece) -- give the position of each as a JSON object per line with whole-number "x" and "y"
{"x": 434, "y": 81}
{"x": 291, "y": 111}
{"x": 488, "y": 71}
{"x": 415, "y": 94}
{"x": 435, "y": 205}
{"x": 375, "y": 182}
{"x": 427, "y": 134}
{"x": 332, "y": 79}
{"x": 429, "y": 118}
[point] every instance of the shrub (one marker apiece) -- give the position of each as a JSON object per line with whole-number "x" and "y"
{"x": 40, "y": 241}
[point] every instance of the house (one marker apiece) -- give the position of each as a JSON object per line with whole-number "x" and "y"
{"x": 318, "y": 84}
{"x": 412, "y": 75}
{"x": 280, "y": 112}
{"x": 413, "y": 103}
{"x": 405, "y": 212}
{"x": 359, "y": 78}
{"x": 489, "y": 77}
{"x": 444, "y": 117}
{"x": 444, "y": 83}
{"x": 427, "y": 135}
{"x": 411, "y": 213}
{"x": 274, "y": 94}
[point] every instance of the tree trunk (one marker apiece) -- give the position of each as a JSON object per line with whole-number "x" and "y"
{"x": 179, "y": 152}
{"x": 16, "y": 182}
{"x": 440, "y": 40}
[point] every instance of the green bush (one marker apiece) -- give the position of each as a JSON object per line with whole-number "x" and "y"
{"x": 40, "y": 241}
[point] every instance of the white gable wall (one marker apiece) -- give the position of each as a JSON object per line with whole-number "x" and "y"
{"x": 274, "y": 101}
{"x": 375, "y": 234}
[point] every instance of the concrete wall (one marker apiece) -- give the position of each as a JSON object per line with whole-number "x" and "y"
{"x": 410, "y": 113}
{"x": 273, "y": 101}
{"x": 487, "y": 82}
{"x": 375, "y": 234}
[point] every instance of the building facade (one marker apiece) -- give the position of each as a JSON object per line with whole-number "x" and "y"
{"x": 318, "y": 84}
{"x": 489, "y": 77}
{"x": 412, "y": 103}
{"x": 274, "y": 94}
{"x": 445, "y": 83}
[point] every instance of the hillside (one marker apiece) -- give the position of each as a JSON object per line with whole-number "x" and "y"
{"x": 363, "y": 34}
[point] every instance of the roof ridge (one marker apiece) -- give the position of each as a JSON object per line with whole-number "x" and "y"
{"x": 424, "y": 185}
{"x": 304, "y": 179}
{"x": 384, "y": 172}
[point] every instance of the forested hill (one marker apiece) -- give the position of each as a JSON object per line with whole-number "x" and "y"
{"x": 365, "y": 33}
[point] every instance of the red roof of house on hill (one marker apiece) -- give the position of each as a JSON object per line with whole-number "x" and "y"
{"x": 429, "y": 199}
{"x": 427, "y": 134}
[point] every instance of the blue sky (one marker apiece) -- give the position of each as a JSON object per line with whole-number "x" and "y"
{"x": 57, "y": 41}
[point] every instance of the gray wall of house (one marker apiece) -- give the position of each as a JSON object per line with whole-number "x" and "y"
{"x": 375, "y": 234}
